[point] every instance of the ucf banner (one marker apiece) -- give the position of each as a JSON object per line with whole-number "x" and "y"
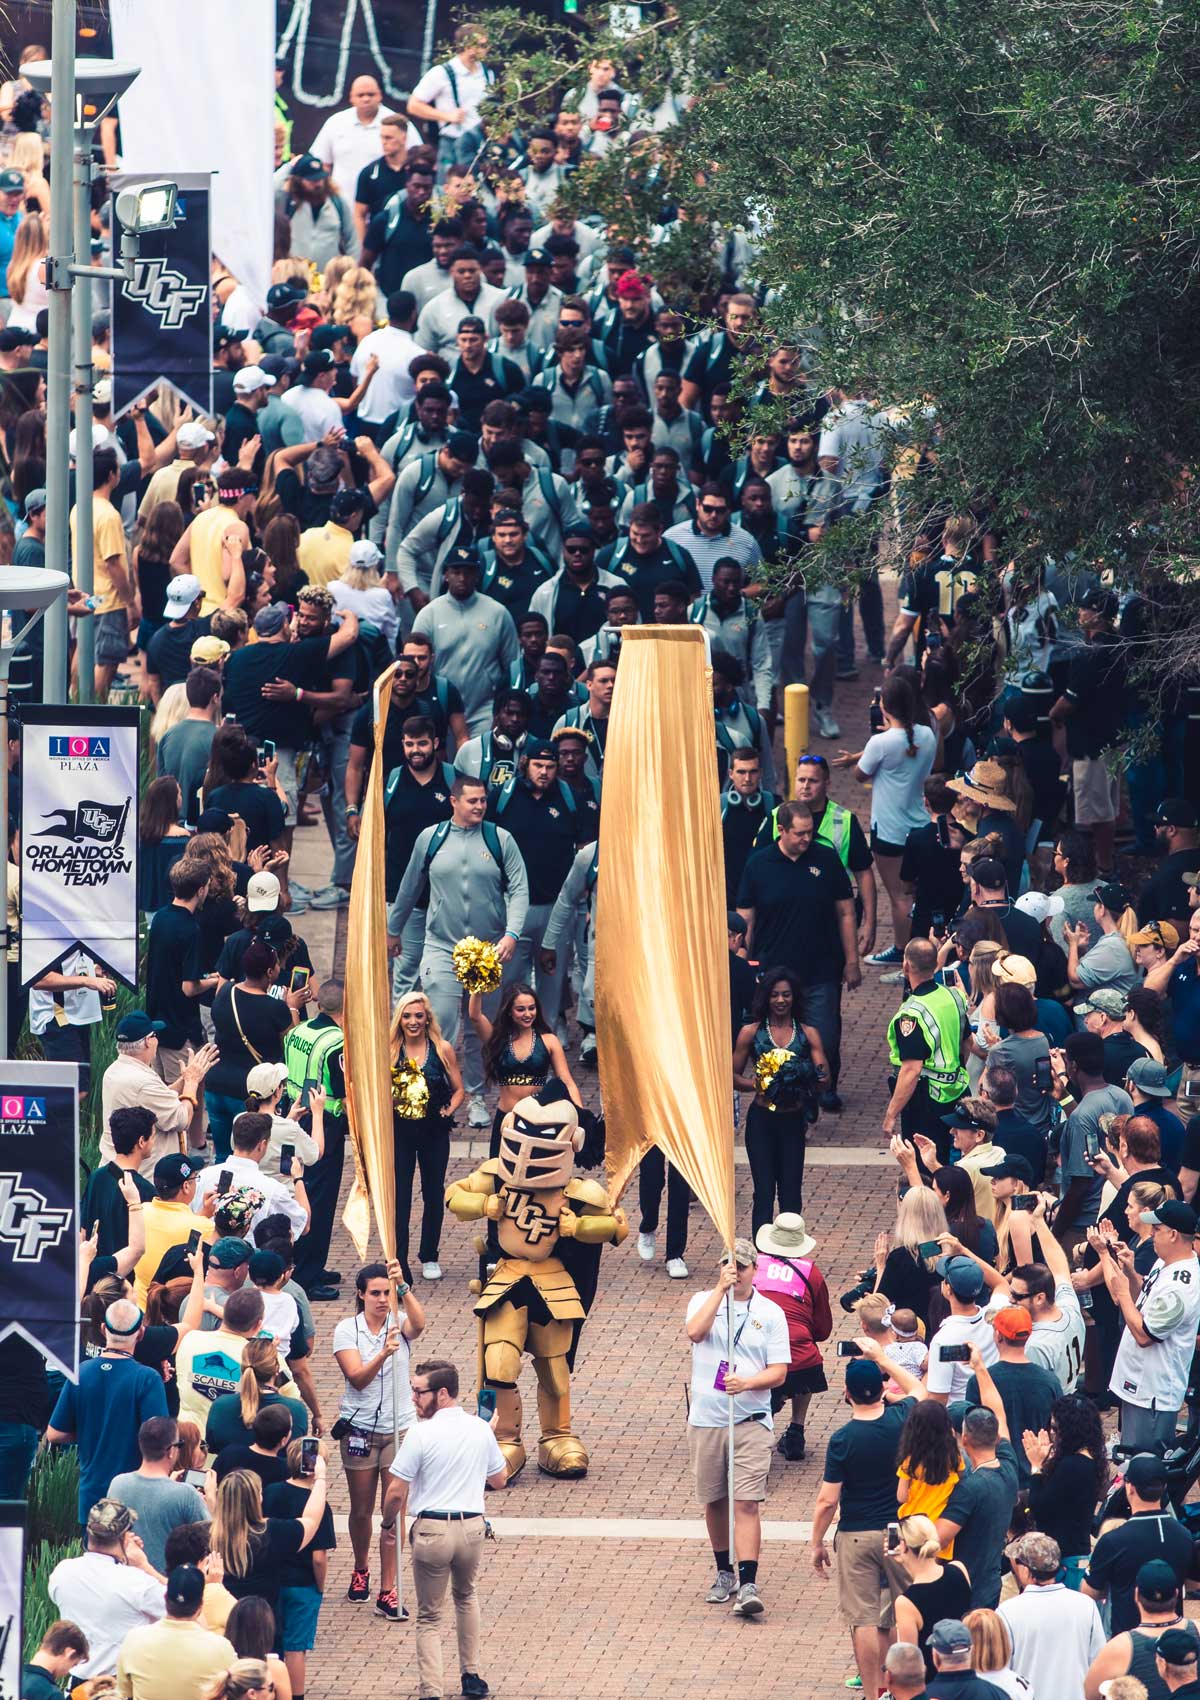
{"x": 162, "y": 320}
{"x": 39, "y": 1207}
{"x": 79, "y": 838}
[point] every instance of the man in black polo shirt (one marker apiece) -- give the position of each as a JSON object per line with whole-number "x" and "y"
{"x": 385, "y": 176}
{"x": 362, "y": 738}
{"x": 1165, "y": 897}
{"x": 477, "y": 376}
{"x": 798, "y": 905}
{"x": 539, "y": 811}
{"x": 417, "y": 795}
{"x": 644, "y": 560}
{"x": 107, "y": 1198}
{"x": 1152, "y": 1532}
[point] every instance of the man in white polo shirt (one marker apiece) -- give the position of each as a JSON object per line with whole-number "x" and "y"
{"x": 760, "y": 1360}
{"x": 447, "y": 1460}
{"x": 349, "y": 140}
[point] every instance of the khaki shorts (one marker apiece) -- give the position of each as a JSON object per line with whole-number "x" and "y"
{"x": 868, "y": 1583}
{"x": 1097, "y": 792}
{"x": 383, "y": 1451}
{"x": 708, "y": 1454}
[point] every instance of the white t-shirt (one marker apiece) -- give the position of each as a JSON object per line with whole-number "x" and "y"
{"x": 436, "y": 90}
{"x": 898, "y": 780}
{"x": 855, "y": 431}
{"x": 391, "y": 386}
{"x": 278, "y": 1197}
{"x": 106, "y": 1600}
{"x": 1056, "y": 1634}
{"x": 81, "y": 1006}
{"x": 1169, "y": 1305}
{"x": 952, "y": 1378}
{"x": 374, "y": 607}
{"x": 760, "y": 1338}
{"x": 281, "y": 1318}
{"x": 1058, "y": 1344}
{"x": 319, "y": 413}
{"x": 370, "y": 1407}
{"x": 447, "y": 1460}
{"x": 285, "y": 1132}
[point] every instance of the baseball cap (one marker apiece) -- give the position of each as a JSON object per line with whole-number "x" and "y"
{"x": 347, "y": 502}
{"x": 972, "y": 1112}
{"x": 962, "y": 1275}
{"x": 279, "y": 365}
{"x": 1105, "y": 1000}
{"x": 1149, "y": 1077}
{"x": 989, "y": 873}
{"x": 1155, "y": 932}
{"x": 319, "y": 361}
{"x": 1100, "y": 601}
{"x": 537, "y": 257}
{"x": 13, "y": 337}
{"x": 463, "y": 445}
{"x": 193, "y": 435}
{"x": 185, "y": 1586}
{"x": 1155, "y": 1580}
{"x": 735, "y": 923}
{"x": 270, "y": 620}
{"x": 1177, "y": 1647}
{"x": 181, "y": 593}
{"x": 228, "y": 1252}
{"x": 252, "y": 378}
{"x": 265, "y": 1267}
{"x": 109, "y": 1518}
{"x": 1146, "y": 1471}
{"x": 1013, "y": 1323}
{"x": 1039, "y": 905}
{"x": 102, "y": 393}
{"x": 472, "y": 322}
{"x": 950, "y": 1635}
{"x": 461, "y": 556}
{"x": 307, "y": 167}
{"x": 172, "y": 1171}
{"x": 1171, "y": 1213}
{"x": 1013, "y": 1168}
{"x": 280, "y": 294}
{"x": 137, "y": 1025}
{"x": 11, "y": 180}
{"x": 99, "y": 437}
{"x": 214, "y": 820}
{"x": 864, "y": 1379}
{"x": 224, "y": 336}
{"x": 264, "y": 1079}
{"x": 35, "y": 502}
{"x": 1177, "y": 811}
{"x": 364, "y": 554}
{"x": 326, "y": 336}
{"x": 274, "y": 930}
{"x": 744, "y": 1254}
{"x": 1111, "y": 895}
{"x": 208, "y": 650}
{"x": 539, "y": 749}
{"x": 1013, "y": 970}
{"x": 262, "y": 892}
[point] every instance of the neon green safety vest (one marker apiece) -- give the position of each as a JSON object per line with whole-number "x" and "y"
{"x": 307, "y": 1051}
{"x": 938, "y": 1013}
{"x": 834, "y": 829}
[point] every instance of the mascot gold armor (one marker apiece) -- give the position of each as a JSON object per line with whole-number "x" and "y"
{"x": 531, "y": 1302}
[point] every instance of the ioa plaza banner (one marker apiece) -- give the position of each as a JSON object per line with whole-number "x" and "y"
{"x": 79, "y": 838}
{"x": 162, "y": 318}
{"x": 39, "y": 1208}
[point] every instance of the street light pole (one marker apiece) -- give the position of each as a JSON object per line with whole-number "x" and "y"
{"x": 58, "y": 365}
{"x": 81, "y": 312}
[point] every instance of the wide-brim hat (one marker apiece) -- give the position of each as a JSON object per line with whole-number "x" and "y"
{"x": 985, "y": 784}
{"x": 786, "y": 1236}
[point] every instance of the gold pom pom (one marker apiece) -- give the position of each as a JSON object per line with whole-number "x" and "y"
{"x": 477, "y": 964}
{"x": 410, "y": 1091}
{"x": 767, "y": 1067}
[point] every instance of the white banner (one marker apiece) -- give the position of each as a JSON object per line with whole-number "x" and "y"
{"x": 79, "y": 838}
{"x": 205, "y": 101}
{"x": 12, "y": 1580}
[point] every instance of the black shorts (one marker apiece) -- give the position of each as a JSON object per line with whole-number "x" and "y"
{"x": 69, "y": 1044}
{"x": 798, "y": 1381}
{"x": 884, "y": 846}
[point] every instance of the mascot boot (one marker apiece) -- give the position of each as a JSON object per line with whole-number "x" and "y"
{"x": 560, "y": 1452}
{"x": 508, "y": 1430}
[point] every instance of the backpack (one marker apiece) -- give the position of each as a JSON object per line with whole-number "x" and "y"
{"x": 550, "y": 495}
{"x": 441, "y": 833}
{"x": 426, "y": 479}
{"x": 449, "y": 775}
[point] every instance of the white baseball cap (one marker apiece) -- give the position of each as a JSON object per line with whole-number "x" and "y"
{"x": 1038, "y": 906}
{"x": 181, "y": 593}
{"x": 102, "y": 393}
{"x": 99, "y": 437}
{"x": 251, "y": 378}
{"x": 193, "y": 436}
{"x": 364, "y": 554}
{"x": 262, "y": 893}
{"x": 264, "y": 1079}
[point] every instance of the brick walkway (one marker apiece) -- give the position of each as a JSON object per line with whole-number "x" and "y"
{"x": 568, "y": 1613}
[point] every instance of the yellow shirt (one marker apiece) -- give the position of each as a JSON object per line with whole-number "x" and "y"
{"x": 163, "y": 487}
{"x": 108, "y": 541}
{"x": 174, "y": 1658}
{"x": 324, "y": 552}
{"x": 168, "y": 1223}
{"x": 926, "y": 1500}
{"x": 205, "y": 538}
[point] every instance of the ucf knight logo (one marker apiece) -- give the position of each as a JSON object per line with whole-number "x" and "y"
{"x": 27, "y": 1222}
{"x": 165, "y": 292}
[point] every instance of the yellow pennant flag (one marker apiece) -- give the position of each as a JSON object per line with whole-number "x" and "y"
{"x": 367, "y": 1017}
{"x": 662, "y": 955}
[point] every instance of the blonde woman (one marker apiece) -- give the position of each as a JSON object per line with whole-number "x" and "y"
{"x": 991, "y": 1646}
{"x": 246, "y": 1679}
{"x": 27, "y": 272}
{"x": 935, "y": 1590}
{"x": 231, "y": 1418}
{"x": 355, "y": 300}
{"x": 905, "y": 1274}
{"x": 252, "y": 1547}
{"x": 427, "y": 1090}
{"x": 362, "y": 590}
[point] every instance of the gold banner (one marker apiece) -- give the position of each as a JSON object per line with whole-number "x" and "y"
{"x": 367, "y": 1019}
{"x": 662, "y": 973}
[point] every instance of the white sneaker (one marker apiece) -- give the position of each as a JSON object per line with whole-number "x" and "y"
{"x": 677, "y": 1269}
{"x": 431, "y": 1271}
{"x": 827, "y": 726}
{"x": 646, "y": 1247}
{"x": 477, "y": 1112}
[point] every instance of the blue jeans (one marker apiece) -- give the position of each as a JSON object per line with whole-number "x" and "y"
{"x": 821, "y": 1007}
{"x": 221, "y": 1113}
{"x": 18, "y": 1444}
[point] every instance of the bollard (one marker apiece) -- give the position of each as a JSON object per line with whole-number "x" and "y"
{"x": 795, "y": 730}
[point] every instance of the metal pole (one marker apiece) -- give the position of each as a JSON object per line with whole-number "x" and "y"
{"x": 81, "y": 324}
{"x": 58, "y": 367}
{"x": 732, "y": 1370}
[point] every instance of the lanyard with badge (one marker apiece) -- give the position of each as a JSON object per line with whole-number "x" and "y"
{"x": 723, "y": 1366}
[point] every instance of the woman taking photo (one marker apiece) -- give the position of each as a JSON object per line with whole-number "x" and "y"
{"x": 303, "y": 1130}
{"x": 520, "y": 1053}
{"x": 1069, "y": 1477}
{"x": 373, "y": 1353}
{"x": 248, "y": 1028}
{"x": 252, "y": 1547}
{"x": 896, "y": 763}
{"x": 782, "y": 1062}
{"x": 935, "y": 1590}
{"x": 902, "y": 1273}
{"x": 427, "y": 1089}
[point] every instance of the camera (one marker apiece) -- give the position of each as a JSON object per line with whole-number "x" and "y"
{"x": 877, "y": 712}
{"x": 864, "y": 1285}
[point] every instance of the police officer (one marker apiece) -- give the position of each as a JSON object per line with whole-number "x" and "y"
{"x": 313, "y": 1054}
{"x": 474, "y": 878}
{"x": 538, "y": 808}
{"x": 925, "y": 1047}
{"x": 416, "y": 795}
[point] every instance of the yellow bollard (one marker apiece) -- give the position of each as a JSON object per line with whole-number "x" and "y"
{"x": 795, "y": 729}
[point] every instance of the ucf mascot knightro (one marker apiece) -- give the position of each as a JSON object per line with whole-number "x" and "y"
{"x": 550, "y": 1226}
